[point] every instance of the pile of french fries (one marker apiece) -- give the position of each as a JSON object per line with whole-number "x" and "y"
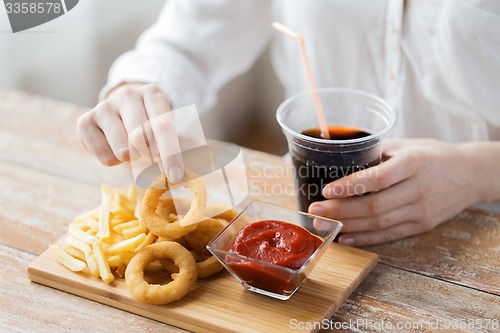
{"x": 106, "y": 238}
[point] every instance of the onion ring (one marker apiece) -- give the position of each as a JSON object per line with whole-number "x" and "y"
{"x": 169, "y": 266}
{"x": 181, "y": 241}
{"x": 199, "y": 201}
{"x": 158, "y": 224}
{"x": 203, "y": 234}
{"x": 228, "y": 214}
{"x": 198, "y": 193}
{"x": 155, "y": 212}
{"x": 205, "y": 268}
{"x": 182, "y": 283}
{"x": 208, "y": 267}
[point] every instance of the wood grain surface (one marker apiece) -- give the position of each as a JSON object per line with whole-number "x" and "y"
{"x": 32, "y": 307}
{"x": 464, "y": 250}
{"x": 221, "y": 304}
{"x": 450, "y": 272}
{"x": 393, "y": 300}
{"x": 40, "y": 133}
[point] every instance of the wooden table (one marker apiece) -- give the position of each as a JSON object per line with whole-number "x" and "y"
{"x": 448, "y": 277}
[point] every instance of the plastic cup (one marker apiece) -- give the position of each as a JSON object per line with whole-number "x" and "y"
{"x": 317, "y": 161}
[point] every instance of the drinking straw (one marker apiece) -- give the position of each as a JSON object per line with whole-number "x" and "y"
{"x": 325, "y": 134}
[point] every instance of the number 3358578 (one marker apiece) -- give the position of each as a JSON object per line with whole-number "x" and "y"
{"x": 32, "y": 8}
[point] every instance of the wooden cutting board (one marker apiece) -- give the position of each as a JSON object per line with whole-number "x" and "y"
{"x": 219, "y": 304}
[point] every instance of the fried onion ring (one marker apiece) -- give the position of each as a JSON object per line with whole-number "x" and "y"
{"x": 159, "y": 224}
{"x": 199, "y": 201}
{"x": 213, "y": 210}
{"x": 203, "y": 234}
{"x": 155, "y": 213}
{"x": 182, "y": 283}
{"x": 169, "y": 266}
{"x": 198, "y": 193}
{"x": 181, "y": 241}
{"x": 208, "y": 267}
{"x": 205, "y": 268}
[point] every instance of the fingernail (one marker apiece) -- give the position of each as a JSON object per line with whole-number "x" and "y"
{"x": 317, "y": 210}
{"x": 123, "y": 154}
{"x": 175, "y": 174}
{"x": 332, "y": 191}
{"x": 347, "y": 240}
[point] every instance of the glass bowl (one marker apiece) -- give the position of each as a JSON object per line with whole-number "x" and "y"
{"x": 263, "y": 277}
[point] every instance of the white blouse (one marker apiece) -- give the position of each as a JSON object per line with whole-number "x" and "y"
{"x": 437, "y": 62}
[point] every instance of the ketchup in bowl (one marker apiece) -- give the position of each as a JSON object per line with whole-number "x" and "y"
{"x": 274, "y": 242}
{"x": 271, "y": 250}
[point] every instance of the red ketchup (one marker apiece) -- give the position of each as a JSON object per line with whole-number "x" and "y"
{"x": 274, "y": 242}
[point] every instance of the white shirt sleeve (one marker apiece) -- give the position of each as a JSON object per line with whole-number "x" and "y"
{"x": 467, "y": 58}
{"x": 187, "y": 53}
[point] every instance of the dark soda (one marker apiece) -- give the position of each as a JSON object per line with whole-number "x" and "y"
{"x": 315, "y": 168}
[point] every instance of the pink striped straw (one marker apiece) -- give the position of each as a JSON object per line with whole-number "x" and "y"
{"x": 325, "y": 134}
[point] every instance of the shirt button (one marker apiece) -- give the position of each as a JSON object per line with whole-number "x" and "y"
{"x": 393, "y": 28}
{"x": 391, "y": 76}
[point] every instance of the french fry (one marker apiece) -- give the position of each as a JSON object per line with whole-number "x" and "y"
{"x": 123, "y": 214}
{"x": 115, "y": 238}
{"x": 150, "y": 239}
{"x": 133, "y": 198}
{"x": 125, "y": 225}
{"x": 80, "y": 235}
{"x": 134, "y": 231}
{"x": 118, "y": 200}
{"x": 74, "y": 252}
{"x": 82, "y": 246}
{"x": 126, "y": 257}
{"x": 137, "y": 210}
{"x": 92, "y": 224}
{"x": 115, "y": 220}
{"x": 115, "y": 260}
{"x": 91, "y": 232}
{"x": 92, "y": 264}
{"x": 104, "y": 215}
{"x": 120, "y": 270}
{"x": 102, "y": 263}
{"x": 92, "y": 215}
{"x": 67, "y": 260}
{"x": 126, "y": 245}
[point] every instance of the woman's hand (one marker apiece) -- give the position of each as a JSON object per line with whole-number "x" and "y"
{"x": 420, "y": 184}
{"x": 133, "y": 121}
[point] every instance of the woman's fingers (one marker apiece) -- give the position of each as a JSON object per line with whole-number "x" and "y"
{"x": 164, "y": 132}
{"x": 373, "y": 179}
{"x": 134, "y": 121}
{"x": 373, "y": 205}
{"x": 94, "y": 139}
{"x": 421, "y": 184}
{"x": 395, "y": 232}
{"x": 112, "y": 126}
{"x": 133, "y": 115}
{"x": 383, "y": 221}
